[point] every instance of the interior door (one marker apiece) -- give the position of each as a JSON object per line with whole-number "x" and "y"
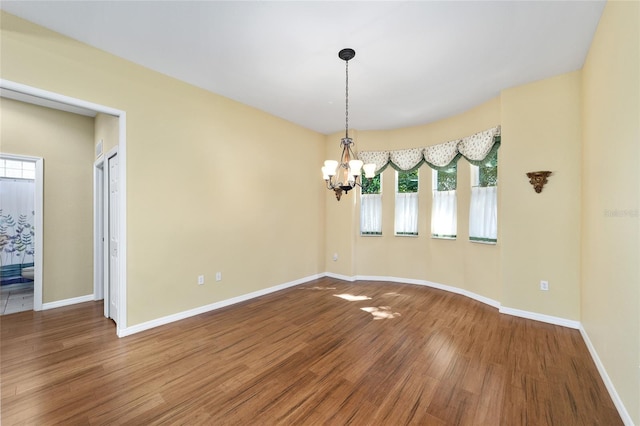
{"x": 114, "y": 263}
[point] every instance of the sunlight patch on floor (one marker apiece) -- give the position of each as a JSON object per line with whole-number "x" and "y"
{"x": 351, "y": 297}
{"x": 381, "y": 312}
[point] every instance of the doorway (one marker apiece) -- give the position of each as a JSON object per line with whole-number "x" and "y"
{"x": 41, "y": 97}
{"x": 21, "y": 183}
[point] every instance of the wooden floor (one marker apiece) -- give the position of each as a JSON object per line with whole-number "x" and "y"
{"x": 382, "y": 354}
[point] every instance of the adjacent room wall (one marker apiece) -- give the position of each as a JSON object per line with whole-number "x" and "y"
{"x": 65, "y": 142}
{"x": 611, "y": 186}
{"x": 212, "y": 185}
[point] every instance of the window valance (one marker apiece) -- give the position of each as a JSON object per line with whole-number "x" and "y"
{"x": 406, "y": 160}
{"x": 379, "y": 158}
{"x": 442, "y": 156}
{"x": 477, "y": 146}
{"x": 474, "y": 148}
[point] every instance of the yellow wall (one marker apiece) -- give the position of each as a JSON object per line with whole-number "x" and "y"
{"x": 212, "y": 185}
{"x": 541, "y": 232}
{"x": 611, "y": 186}
{"x": 65, "y": 142}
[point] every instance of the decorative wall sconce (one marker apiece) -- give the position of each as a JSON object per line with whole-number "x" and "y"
{"x": 538, "y": 179}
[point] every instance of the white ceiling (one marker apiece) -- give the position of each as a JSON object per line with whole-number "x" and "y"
{"x": 416, "y": 62}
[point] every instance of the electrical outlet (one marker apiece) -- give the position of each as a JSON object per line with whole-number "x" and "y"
{"x": 544, "y": 285}
{"x": 335, "y": 257}
{"x": 218, "y": 276}
{"x": 200, "y": 279}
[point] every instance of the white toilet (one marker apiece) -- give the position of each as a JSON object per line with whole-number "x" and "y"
{"x": 28, "y": 273}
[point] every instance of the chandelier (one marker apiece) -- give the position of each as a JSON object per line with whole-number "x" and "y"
{"x": 345, "y": 175}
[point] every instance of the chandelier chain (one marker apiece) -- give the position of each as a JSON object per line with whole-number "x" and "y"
{"x": 346, "y": 97}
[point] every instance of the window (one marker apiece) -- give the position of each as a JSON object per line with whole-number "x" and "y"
{"x": 17, "y": 169}
{"x": 483, "y": 213}
{"x": 371, "y": 206}
{"x": 406, "y": 217}
{"x": 444, "y": 209}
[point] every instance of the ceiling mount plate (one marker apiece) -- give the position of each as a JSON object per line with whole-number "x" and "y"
{"x": 346, "y": 54}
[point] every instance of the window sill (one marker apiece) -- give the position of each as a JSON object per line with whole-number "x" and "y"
{"x": 490, "y": 243}
{"x": 436, "y": 237}
{"x": 371, "y": 235}
{"x": 406, "y": 235}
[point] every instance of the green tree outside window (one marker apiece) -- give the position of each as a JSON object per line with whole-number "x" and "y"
{"x": 448, "y": 178}
{"x": 408, "y": 182}
{"x": 371, "y": 186}
{"x": 488, "y": 170}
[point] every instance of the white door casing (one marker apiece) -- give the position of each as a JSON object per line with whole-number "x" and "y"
{"x": 114, "y": 236}
{"x": 99, "y": 215}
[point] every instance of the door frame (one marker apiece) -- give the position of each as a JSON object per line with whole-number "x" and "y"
{"x": 99, "y": 261}
{"x": 37, "y": 223}
{"x": 106, "y": 232}
{"x": 59, "y": 101}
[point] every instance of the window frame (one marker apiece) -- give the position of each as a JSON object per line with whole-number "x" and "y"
{"x": 15, "y": 169}
{"x": 364, "y": 194}
{"x": 435, "y": 183}
{"x": 417, "y": 206}
{"x": 477, "y": 182}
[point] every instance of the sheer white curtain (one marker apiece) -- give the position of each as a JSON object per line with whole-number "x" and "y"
{"x": 444, "y": 217}
{"x": 406, "y": 218}
{"x": 483, "y": 214}
{"x": 371, "y": 214}
{"x": 16, "y": 220}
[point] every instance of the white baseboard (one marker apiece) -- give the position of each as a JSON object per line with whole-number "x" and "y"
{"x": 624, "y": 414}
{"x": 450, "y": 289}
{"x": 540, "y": 317}
{"x": 339, "y": 277}
{"x": 67, "y": 302}
{"x": 211, "y": 307}
{"x": 486, "y": 300}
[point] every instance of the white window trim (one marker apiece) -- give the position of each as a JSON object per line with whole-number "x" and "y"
{"x": 372, "y": 233}
{"x": 475, "y": 182}
{"x": 395, "y": 214}
{"x": 434, "y": 188}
